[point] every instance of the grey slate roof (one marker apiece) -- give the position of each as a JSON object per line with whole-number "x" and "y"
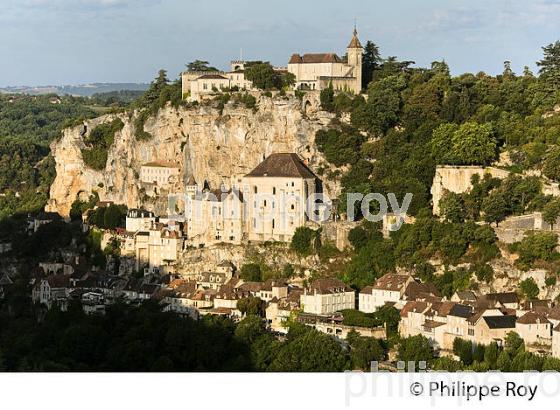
{"x": 500, "y": 322}
{"x": 460, "y": 311}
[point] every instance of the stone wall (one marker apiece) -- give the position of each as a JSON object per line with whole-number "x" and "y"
{"x": 212, "y": 145}
{"x": 458, "y": 179}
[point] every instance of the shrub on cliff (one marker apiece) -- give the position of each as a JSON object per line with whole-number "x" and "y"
{"x": 305, "y": 241}
{"x": 100, "y": 140}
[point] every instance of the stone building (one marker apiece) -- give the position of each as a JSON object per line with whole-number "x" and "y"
{"x": 317, "y": 71}
{"x": 534, "y": 328}
{"x": 276, "y": 193}
{"x": 389, "y": 288}
{"x": 162, "y": 174}
{"x": 152, "y": 244}
{"x": 556, "y": 342}
{"x": 215, "y": 216}
{"x": 139, "y": 220}
{"x": 327, "y": 295}
{"x": 269, "y": 204}
{"x": 196, "y": 84}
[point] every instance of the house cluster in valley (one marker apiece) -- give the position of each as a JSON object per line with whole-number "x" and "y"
{"x": 321, "y": 303}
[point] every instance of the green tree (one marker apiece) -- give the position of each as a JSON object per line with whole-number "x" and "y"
{"x": 327, "y": 98}
{"x": 452, "y": 207}
{"x": 251, "y": 272}
{"x": 551, "y": 212}
{"x": 514, "y": 343}
{"x": 381, "y": 111}
{"x": 529, "y": 288}
{"x": 370, "y": 62}
{"x": 503, "y": 363}
{"x": 447, "y": 364}
{"x": 200, "y": 65}
{"x": 262, "y": 75}
{"x": 473, "y": 143}
{"x": 440, "y": 144}
{"x": 549, "y": 70}
{"x": 535, "y": 246}
{"x": 113, "y": 217}
{"x": 250, "y": 328}
{"x": 415, "y": 348}
{"x": 468, "y": 144}
{"x": 551, "y": 164}
{"x": 491, "y": 354}
{"x": 311, "y": 352}
{"x": 251, "y": 306}
{"x": 495, "y": 207}
{"x": 303, "y": 241}
{"x": 364, "y": 350}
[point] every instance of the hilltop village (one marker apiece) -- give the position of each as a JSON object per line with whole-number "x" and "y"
{"x": 197, "y": 202}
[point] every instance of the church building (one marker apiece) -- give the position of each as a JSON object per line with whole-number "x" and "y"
{"x": 317, "y": 71}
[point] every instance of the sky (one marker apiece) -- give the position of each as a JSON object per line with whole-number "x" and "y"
{"x": 57, "y": 42}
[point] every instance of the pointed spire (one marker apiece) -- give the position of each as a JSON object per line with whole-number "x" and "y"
{"x": 354, "y": 43}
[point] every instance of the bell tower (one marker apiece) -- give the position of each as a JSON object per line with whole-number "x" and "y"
{"x": 355, "y": 52}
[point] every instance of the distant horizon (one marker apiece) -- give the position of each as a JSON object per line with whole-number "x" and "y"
{"x": 74, "y": 42}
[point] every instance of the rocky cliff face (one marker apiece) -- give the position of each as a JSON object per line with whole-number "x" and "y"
{"x": 212, "y": 145}
{"x": 457, "y": 179}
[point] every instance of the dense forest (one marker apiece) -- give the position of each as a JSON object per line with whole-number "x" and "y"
{"x": 28, "y": 124}
{"x": 417, "y": 118}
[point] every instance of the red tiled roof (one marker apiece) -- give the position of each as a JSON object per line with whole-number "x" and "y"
{"x": 282, "y": 165}
{"x": 315, "y": 58}
{"x": 532, "y": 318}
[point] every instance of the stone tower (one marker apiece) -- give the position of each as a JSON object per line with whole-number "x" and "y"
{"x": 355, "y": 54}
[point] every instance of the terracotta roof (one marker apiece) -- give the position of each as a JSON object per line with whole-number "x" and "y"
{"x": 477, "y": 314}
{"x": 315, "y": 58}
{"x": 536, "y": 304}
{"x": 251, "y": 286}
{"x": 328, "y": 285}
{"x": 217, "y": 195}
{"x": 366, "y": 290}
{"x": 416, "y": 290}
{"x": 503, "y": 297}
{"x": 532, "y": 318}
{"x": 391, "y": 282}
{"x": 554, "y": 313}
{"x": 355, "y": 43}
{"x": 212, "y": 77}
{"x": 282, "y": 165}
{"x": 431, "y": 324}
{"x": 276, "y": 283}
{"x": 161, "y": 164}
{"x": 221, "y": 311}
{"x": 441, "y": 308}
{"x": 413, "y": 306}
{"x": 191, "y": 181}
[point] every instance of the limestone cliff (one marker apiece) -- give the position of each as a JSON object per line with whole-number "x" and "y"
{"x": 457, "y": 179}
{"x": 211, "y": 144}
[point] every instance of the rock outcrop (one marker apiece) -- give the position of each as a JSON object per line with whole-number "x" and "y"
{"x": 457, "y": 179}
{"x": 213, "y": 145}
